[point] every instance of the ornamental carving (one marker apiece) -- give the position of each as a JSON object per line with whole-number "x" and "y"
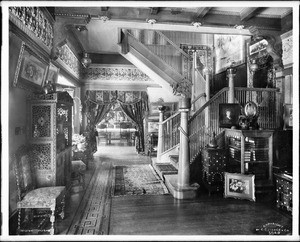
{"x": 116, "y": 74}
{"x": 69, "y": 58}
{"x": 182, "y": 88}
{"x": 34, "y": 20}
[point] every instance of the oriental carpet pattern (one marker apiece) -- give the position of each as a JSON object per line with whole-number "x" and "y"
{"x": 138, "y": 180}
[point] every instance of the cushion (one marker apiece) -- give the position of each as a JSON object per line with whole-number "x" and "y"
{"x": 44, "y": 197}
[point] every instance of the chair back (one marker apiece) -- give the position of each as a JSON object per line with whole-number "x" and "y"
{"x": 24, "y": 171}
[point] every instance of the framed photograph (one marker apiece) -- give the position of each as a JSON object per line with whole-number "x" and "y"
{"x": 52, "y": 74}
{"x": 229, "y": 114}
{"x": 31, "y": 69}
{"x": 288, "y": 116}
{"x": 239, "y": 186}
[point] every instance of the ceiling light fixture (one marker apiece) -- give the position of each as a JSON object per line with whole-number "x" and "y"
{"x": 151, "y": 21}
{"x": 196, "y": 24}
{"x": 86, "y": 60}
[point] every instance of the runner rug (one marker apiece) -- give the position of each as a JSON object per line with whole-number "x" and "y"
{"x": 93, "y": 213}
{"x": 138, "y": 180}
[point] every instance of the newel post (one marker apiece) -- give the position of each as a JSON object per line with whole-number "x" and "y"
{"x": 184, "y": 154}
{"x": 230, "y": 75}
{"x": 160, "y": 132}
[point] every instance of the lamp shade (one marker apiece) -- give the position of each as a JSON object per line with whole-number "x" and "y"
{"x": 86, "y": 60}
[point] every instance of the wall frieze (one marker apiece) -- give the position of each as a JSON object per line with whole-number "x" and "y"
{"x": 127, "y": 74}
{"x": 70, "y": 61}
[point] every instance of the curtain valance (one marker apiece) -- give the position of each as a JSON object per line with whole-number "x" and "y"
{"x": 109, "y": 97}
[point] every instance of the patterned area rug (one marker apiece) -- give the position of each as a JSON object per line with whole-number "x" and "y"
{"x": 138, "y": 180}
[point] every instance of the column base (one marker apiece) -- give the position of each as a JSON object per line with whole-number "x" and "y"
{"x": 188, "y": 192}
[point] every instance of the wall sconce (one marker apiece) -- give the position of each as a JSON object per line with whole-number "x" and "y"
{"x": 253, "y": 66}
{"x": 86, "y": 60}
{"x": 196, "y": 24}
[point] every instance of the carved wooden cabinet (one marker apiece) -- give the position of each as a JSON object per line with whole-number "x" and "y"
{"x": 213, "y": 167}
{"x": 251, "y": 152}
{"x": 50, "y": 136}
{"x": 284, "y": 192}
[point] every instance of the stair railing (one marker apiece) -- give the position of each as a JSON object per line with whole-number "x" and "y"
{"x": 204, "y": 122}
{"x": 171, "y": 132}
{"x": 170, "y": 52}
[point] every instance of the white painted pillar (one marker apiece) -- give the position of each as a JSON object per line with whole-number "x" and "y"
{"x": 207, "y": 92}
{"x": 230, "y": 74}
{"x": 194, "y": 66}
{"x": 160, "y": 132}
{"x": 184, "y": 152}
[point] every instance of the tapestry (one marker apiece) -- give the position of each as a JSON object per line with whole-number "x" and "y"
{"x": 138, "y": 180}
{"x": 203, "y": 59}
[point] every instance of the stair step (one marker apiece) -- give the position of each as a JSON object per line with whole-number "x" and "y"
{"x": 165, "y": 169}
{"x": 174, "y": 159}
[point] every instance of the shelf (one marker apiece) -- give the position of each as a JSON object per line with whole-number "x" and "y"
{"x": 251, "y": 162}
{"x": 252, "y": 149}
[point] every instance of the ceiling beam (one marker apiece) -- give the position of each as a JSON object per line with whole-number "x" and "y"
{"x": 248, "y": 13}
{"x": 201, "y": 12}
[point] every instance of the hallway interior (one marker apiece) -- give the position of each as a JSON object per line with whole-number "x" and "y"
{"x": 94, "y": 209}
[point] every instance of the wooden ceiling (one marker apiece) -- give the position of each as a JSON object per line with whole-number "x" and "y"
{"x": 102, "y": 23}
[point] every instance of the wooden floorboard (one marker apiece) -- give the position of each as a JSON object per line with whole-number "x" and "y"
{"x": 164, "y": 215}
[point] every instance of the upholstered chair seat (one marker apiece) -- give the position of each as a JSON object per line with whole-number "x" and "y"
{"x": 35, "y": 202}
{"x": 44, "y": 197}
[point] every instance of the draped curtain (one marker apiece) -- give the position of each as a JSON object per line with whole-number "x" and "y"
{"x": 133, "y": 104}
{"x": 136, "y": 113}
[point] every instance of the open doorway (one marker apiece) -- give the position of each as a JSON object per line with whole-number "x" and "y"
{"x": 116, "y": 128}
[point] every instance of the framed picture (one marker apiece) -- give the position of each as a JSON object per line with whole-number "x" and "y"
{"x": 229, "y": 49}
{"x": 229, "y": 114}
{"x": 154, "y": 108}
{"x": 52, "y": 74}
{"x": 288, "y": 116}
{"x": 239, "y": 186}
{"x": 31, "y": 69}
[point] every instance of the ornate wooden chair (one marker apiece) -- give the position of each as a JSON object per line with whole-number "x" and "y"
{"x": 35, "y": 205}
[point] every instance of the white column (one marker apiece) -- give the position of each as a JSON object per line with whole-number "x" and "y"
{"x": 207, "y": 92}
{"x": 160, "y": 132}
{"x": 230, "y": 74}
{"x": 184, "y": 153}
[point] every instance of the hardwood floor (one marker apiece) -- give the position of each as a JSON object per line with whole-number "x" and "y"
{"x": 162, "y": 214}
